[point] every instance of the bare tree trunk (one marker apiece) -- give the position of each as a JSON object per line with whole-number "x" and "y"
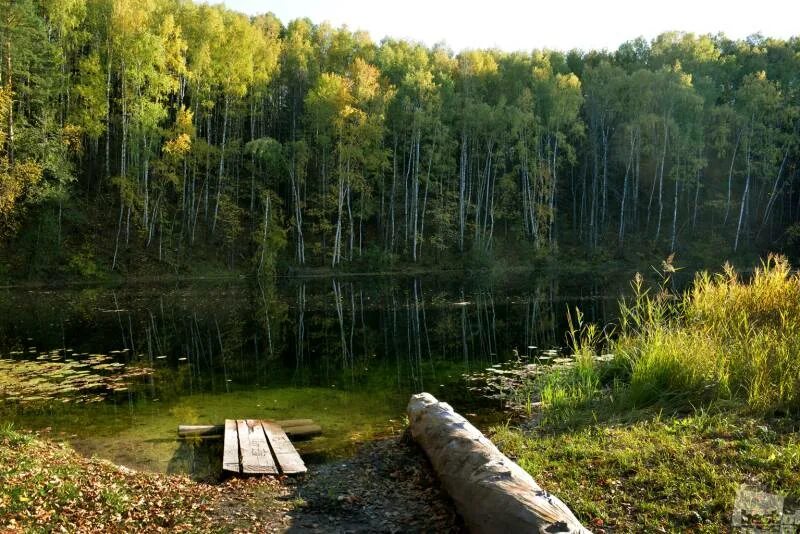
{"x": 338, "y": 237}
{"x": 730, "y": 176}
{"x": 119, "y": 230}
{"x": 298, "y": 217}
{"x": 774, "y": 193}
{"x": 675, "y": 215}
{"x": 425, "y": 201}
{"x": 637, "y": 178}
{"x": 604, "y": 207}
{"x": 10, "y": 88}
{"x": 628, "y": 167}
{"x": 264, "y": 238}
{"x": 407, "y": 175}
{"x": 124, "y": 147}
{"x": 152, "y": 225}
{"x": 146, "y": 179}
{"x": 488, "y": 217}
{"x": 350, "y": 221}
{"x": 221, "y": 163}
{"x": 415, "y": 199}
{"x": 554, "y": 189}
{"x": 108, "y": 117}
{"x": 661, "y": 181}
{"x": 462, "y": 179}
{"x": 390, "y": 239}
{"x": 745, "y": 194}
{"x": 696, "y": 199}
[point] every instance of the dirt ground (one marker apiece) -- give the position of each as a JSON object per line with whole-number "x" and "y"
{"x": 388, "y": 486}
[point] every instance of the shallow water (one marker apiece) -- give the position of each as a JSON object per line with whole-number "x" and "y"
{"x": 346, "y": 352}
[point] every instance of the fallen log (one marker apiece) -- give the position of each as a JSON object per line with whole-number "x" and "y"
{"x": 491, "y": 492}
{"x": 296, "y": 429}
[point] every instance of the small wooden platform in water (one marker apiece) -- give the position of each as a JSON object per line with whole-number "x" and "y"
{"x": 254, "y": 446}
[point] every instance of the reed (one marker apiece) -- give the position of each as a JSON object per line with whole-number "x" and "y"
{"x": 728, "y": 338}
{"x": 565, "y": 390}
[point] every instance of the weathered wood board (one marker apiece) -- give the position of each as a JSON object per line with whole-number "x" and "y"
{"x": 254, "y": 449}
{"x": 230, "y": 454}
{"x": 253, "y": 446}
{"x": 287, "y": 423}
{"x": 288, "y": 458}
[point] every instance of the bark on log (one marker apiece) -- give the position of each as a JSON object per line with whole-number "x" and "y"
{"x": 492, "y": 493}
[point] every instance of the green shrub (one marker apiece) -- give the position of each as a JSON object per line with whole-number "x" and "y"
{"x": 84, "y": 264}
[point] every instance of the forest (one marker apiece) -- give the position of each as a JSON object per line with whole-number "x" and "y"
{"x": 169, "y": 136}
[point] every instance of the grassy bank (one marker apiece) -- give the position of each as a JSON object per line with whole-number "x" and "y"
{"x": 386, "y": 486}
{"x": 702, "y": 396}
{"x": 664, "y": 473}
{"x": 48, "y": 487}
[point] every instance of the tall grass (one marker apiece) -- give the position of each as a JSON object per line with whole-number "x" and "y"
{"x": 565, "y": 390}
{"x": 725, "y": 339}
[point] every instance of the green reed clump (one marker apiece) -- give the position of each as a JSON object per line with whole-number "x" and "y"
{"x": 725, "y": 338}
{"x": 565, "y": 389}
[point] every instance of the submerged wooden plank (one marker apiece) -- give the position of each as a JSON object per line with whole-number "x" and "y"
{"x": 291, "y": 426}
{"x": 288, "y": 458}
{"x": 295, "y": 433}
{"x": 256, "y": 456}
{"x": 299, "y": 433}
{"x": 230, "y": 454}
{"x": 287, "y": 423}
{"x": 186, "y": 431}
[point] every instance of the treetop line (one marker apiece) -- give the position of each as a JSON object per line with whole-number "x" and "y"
{"x": 164, "y": 131}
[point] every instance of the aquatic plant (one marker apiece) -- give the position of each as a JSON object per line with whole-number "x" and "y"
{"x": 59, "y": 376}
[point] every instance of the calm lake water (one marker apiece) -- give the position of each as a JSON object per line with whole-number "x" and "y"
{"x": 346, "y": 352}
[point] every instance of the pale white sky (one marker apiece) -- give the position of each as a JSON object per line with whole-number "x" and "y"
{"x": 525, "y": 25}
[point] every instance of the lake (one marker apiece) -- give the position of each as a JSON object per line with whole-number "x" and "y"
{"x": 115, "y": 370}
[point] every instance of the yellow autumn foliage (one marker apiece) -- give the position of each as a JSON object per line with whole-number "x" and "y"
{"x": 180, "y": 142}
{"x": 14, "y": 180}
{"x": 15, "y": 177}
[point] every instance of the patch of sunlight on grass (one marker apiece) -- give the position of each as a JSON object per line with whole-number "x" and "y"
{"x": 651, "y": 475}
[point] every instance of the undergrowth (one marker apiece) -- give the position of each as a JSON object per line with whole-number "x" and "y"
{"x": 724, "y": 341}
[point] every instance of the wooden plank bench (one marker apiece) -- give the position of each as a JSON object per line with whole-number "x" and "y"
{"x": 253, "y": 446}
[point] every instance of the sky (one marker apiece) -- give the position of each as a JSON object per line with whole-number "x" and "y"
{"x": 525, "y": 25}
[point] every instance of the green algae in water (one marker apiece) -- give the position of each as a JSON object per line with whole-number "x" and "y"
{"x": 144, "y": 435}
{"x": 33, "y": 383}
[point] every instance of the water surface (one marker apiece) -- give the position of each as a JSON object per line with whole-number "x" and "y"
{"x": 346, "y": 352}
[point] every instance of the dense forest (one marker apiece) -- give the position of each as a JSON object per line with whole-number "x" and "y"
{"x": 169, "y": 135}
